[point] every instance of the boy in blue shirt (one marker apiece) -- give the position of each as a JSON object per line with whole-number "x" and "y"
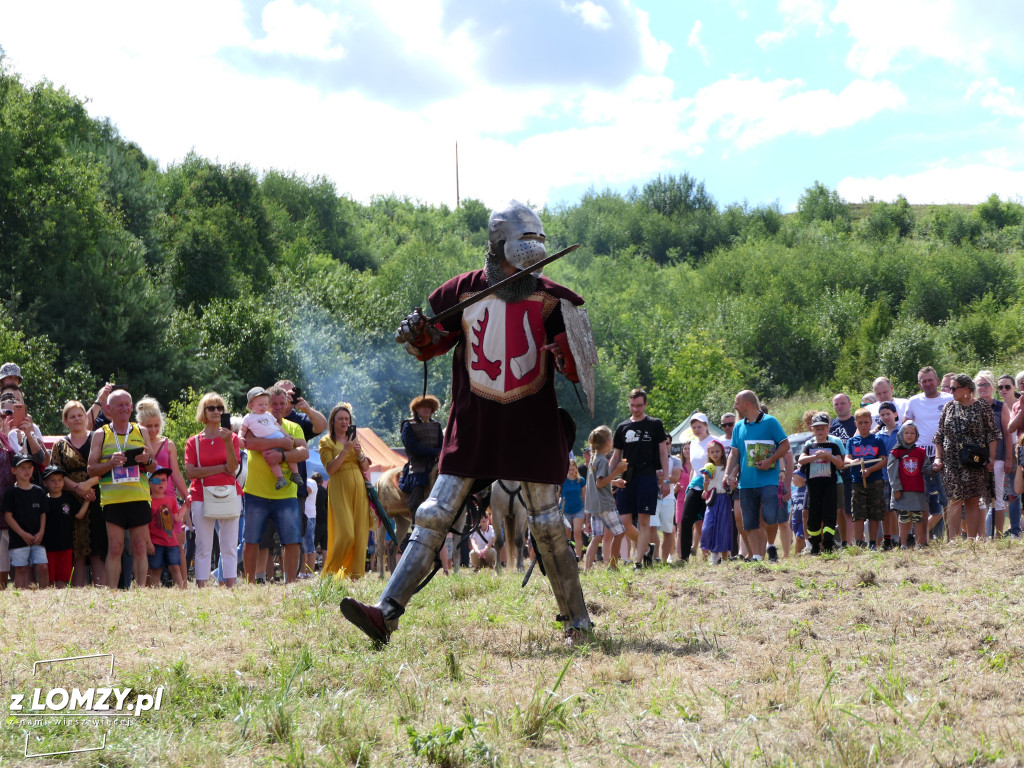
{"x": 866, "y": 456}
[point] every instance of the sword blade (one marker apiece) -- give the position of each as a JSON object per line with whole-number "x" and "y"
{"x": 454, "y": 310}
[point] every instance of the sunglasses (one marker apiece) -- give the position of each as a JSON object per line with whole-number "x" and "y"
{"x": 1006, "y": 386}
{"x": 156, "y": 480}
{"x": 728, "y": 423}
{"x": 215, "y": 408}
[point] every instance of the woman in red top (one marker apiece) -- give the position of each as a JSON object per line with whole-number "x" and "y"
{"x": 210, "y": 461}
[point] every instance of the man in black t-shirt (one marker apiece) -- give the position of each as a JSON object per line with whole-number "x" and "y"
{"x": 640, "y": 442}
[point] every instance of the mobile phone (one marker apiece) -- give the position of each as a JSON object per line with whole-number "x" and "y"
{"x": 132, "y": 455}
{"x": 296, "y": 394}
{"x": 350, "y": 433}
{"x": 225, "y": 420}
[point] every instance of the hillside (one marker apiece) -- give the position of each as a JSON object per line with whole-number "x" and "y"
{"x": 209, "y": 276}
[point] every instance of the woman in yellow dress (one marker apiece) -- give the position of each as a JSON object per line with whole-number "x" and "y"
{"x": 348, "y": 509}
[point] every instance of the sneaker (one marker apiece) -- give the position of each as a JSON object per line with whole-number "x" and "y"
{"x": 756, "y": 559}
{"x": 297, "y": 479}
{"x": 367, "y": 618}
{"x": 873, "y": 547}
{"x": 773, "y": 554}
{"x": 911, "y": 540}
{"x": 638, "y": 566}
{"x": 716, "y": 558}
{"x": 280, "y": 483}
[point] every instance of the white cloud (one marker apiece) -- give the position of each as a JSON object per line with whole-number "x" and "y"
{"x": 593, "y": 15}
{"x": 299, "y": 30}
{"x": 966, "y": 184}
{"x": 655, "y": 52}
{"x": 693, "y": 41}
{"x": 968, "y": 35}
{"x": 750, "y": 112}
{"x": 795, "y": 14}
{"x": 998, "y": 99}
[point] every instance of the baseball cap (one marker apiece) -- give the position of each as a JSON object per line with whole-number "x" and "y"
{"x": 20, "y": 458}
{"x": 53, "y": 469}
{"x": 255, "y": 392}
{"x": 820, "y": 418}
{"x": 699, "y": 417}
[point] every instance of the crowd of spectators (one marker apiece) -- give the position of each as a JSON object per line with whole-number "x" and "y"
{"x": 108, "y": 503}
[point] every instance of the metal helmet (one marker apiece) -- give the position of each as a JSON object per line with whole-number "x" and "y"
{"x": 521, "y": 231}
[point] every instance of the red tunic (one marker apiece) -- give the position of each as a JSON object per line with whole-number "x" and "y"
{"x": 910, "y": 465}
{"x": 504, "y": 420}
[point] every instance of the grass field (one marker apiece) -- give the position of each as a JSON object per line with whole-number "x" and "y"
{"x": 857, "y": 659}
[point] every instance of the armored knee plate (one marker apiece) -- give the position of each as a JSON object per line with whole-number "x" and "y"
{"x": 432, "y": 521}
{"x": 548, "y": 529}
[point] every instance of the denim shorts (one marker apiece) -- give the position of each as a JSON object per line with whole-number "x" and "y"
{"x": 763, "y": 502}
{"x": 23, "y": 556}
{"x": 164, "y": 555}
{"x": 284, "y": 512}
{"x": 308, "y": 548}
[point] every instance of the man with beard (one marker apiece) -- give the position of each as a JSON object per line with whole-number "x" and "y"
{"x": 504, "y": 420}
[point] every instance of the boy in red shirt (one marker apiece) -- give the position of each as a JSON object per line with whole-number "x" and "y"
{"x": 163, "y": 546}
{"x": 908, "y": 464}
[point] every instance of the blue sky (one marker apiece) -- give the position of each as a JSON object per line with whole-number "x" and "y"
{"x": 548, "y": 98}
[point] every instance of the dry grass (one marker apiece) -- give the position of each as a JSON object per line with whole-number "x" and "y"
{"x": 851, "y": 660}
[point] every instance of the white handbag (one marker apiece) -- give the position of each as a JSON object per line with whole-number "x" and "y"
{"x": 220, "y": 502}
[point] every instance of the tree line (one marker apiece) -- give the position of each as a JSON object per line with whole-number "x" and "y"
{"x": 211, "y": 276}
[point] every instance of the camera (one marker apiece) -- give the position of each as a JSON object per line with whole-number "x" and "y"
{"x": 350, "y": 433}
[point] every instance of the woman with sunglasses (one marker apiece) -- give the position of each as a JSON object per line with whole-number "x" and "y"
{"x": 1007, "y": 386}
{"x": 211, "y": 458}
{"x": 965, "y": 421}
{"x": 1003, "y": 465}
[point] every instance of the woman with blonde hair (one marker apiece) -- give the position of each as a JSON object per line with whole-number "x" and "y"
{"x": 985, "y": 382}
{"x": 71, "y": 454}
{"x": 211, "y": 459}
{"x": 348, "y": 509}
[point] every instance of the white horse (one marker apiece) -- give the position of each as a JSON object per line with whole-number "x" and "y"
{"x": 508, "y": 516}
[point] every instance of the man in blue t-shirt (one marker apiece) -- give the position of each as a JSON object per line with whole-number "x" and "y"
{"x": 761, "y": 443}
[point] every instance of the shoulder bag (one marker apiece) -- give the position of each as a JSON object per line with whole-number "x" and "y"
{"x": 220, "y": 502}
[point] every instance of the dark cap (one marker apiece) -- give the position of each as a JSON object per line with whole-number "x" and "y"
{"x": 53, "y": 469}
{"x": 820, "y": 419}
{"x": 20, "y": 458}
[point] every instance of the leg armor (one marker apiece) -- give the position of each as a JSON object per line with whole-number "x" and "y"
{"x": 433, "y": 520}
{"x": 552, "y": 544}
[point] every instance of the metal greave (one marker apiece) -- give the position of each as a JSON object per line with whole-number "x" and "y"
{"x": 433, "y": 519}
{"x": 549, "y": 536}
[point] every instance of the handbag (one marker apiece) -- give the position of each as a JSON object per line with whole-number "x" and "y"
{"x": 405, "y": 479}
{"x": 220, "y": 502}
{"x": 974, "y": 456}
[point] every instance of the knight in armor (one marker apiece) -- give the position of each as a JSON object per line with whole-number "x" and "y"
{"x": 504, "y": 420}
{"x": 421, "y": 436}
